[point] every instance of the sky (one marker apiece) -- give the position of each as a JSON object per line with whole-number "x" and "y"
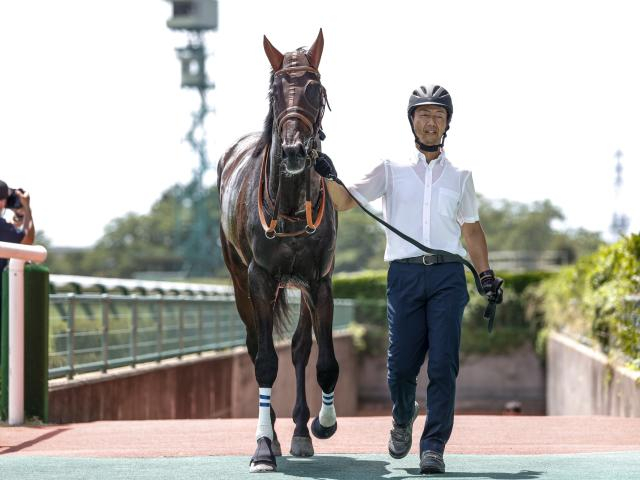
{"x": 92, "y": 117}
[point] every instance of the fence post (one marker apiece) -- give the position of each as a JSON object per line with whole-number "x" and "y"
{"x": 105, "y": 332}
{"x": 160, "y": 322}
{"x": 200, "y": 326}
{"x": 36, "y": 334}
{"x": 71, "y": 333}
{"x": 134, "y": 330}
{"x": 180, "y": 326}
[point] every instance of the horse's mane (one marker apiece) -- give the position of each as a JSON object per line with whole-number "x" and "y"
{"x": 265, "y": 138}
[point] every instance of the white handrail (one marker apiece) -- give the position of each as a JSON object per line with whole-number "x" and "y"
{"x": 17, "y": 255}
{"x": 32, "y": 253}
{"x": 132, "y": 284}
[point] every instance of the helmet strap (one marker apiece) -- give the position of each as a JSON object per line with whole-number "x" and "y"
{"x": 429, "y": 148}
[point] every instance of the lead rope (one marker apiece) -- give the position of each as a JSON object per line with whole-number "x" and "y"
{"x": 489, "y": 312}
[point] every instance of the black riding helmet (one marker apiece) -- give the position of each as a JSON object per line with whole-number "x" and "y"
{"x": 431, "y": 95}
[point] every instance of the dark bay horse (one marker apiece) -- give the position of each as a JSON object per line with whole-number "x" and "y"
{"x": 278, "y": 229}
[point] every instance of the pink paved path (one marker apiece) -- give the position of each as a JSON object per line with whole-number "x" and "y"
{"x": 177, "y": 438}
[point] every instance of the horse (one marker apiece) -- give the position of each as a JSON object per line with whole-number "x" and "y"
{"x": 278, "y": 229}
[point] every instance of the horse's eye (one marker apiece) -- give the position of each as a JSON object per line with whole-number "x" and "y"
{"x": 313, "y": 91}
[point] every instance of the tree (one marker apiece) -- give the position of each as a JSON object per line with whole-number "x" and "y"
{"x": 156, "y": 243}
{"x": 153, "y": 242}
{"x": 360, "y": 243}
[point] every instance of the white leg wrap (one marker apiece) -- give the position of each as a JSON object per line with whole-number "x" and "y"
{"x": 264, "y": 414}
{"x": 327, "y": 416}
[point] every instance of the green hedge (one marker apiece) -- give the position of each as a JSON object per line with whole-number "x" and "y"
{"x": 587, "y": 300}
{"x": 373, "y": 283}
{"x": 513, "y": 324}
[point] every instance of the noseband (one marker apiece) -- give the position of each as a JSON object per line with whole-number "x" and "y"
{"x": 312, "y": 123}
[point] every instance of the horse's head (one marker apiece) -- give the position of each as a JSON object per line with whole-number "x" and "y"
{"x": 298, "y": 100}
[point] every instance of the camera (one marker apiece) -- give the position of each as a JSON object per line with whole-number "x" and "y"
{"x": 13, "y": 201}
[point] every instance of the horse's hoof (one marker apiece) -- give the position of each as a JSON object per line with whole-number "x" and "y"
{"x": 301, "y": 447}
{"x": 323, "y": 432}
{"x": 275, "y": 448}
{"x": 263, "y": 459}
{"x": 261, "y": 468}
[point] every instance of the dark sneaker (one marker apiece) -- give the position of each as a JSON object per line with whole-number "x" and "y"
{"x": 400, "y": 438}
{"x": 431, "y": 462}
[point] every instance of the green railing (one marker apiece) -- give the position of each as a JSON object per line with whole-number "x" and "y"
{"x": 98, "y": 332}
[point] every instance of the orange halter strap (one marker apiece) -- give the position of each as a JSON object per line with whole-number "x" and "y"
{"x": 270, "y": 228}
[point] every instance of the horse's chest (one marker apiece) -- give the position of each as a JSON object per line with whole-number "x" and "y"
{"x": 291, "y": 262}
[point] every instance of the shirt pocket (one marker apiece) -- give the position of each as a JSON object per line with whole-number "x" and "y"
{"x": 448, "y": 202}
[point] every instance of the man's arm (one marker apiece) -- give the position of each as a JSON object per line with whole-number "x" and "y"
{"x": 27, "y": 223}
{"x": 372, "y": 186}
{"x": 476, "y": 244}
{"x": 341, "y": 199}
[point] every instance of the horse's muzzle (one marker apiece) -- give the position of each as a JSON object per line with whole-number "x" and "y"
{"x": 293, "y": 158}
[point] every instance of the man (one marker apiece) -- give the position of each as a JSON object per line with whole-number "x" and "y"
{"x": 22, "y": 232}
{"x": 433, "y": 202}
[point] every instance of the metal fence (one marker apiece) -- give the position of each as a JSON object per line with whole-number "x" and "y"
{"x": 97, "y": 332}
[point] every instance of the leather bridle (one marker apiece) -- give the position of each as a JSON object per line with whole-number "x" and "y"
{"x": 312, "y": 122}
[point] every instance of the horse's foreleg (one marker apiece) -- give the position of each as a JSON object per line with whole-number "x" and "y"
{"x": 240, "y": 276}
{"x": 327, "y": 370}
{"x": 301, "y": 445}
{"x": 263, "y": 289}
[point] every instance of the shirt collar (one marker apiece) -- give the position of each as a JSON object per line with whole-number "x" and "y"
{"x": 441, "y": 160}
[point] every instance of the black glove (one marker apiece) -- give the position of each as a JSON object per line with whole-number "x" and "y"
{"x": 492, "y": 286}
{"x": 324, "y": 166}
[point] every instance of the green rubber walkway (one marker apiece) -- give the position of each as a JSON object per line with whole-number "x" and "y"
{"x": 613, "y": 466}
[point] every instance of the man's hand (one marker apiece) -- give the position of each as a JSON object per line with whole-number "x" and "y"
{"x": 492, "y": 286}
{"x": 24, "y": 197}
{"x": 324, "y": 166}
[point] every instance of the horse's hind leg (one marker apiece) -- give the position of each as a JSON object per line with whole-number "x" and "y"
{"x": 327, "y": 370}
{"x": 239, "y": 276}
{"x": 301, "y": 445}
{"x": 263, "y": 289}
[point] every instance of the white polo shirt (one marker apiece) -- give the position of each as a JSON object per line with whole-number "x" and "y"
{"x": 427, "y": 201}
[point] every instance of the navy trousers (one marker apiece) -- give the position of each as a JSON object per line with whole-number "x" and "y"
{"x": 424, "y": 309}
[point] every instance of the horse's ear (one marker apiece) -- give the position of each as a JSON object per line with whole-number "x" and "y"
{"x": 274, "y": 56}
{"x": 315, "y": 52}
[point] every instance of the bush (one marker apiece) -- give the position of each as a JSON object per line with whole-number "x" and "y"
{"x": 587, "y": 300}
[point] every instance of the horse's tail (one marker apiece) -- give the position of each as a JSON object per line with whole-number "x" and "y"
{"x": 281, "y": 318}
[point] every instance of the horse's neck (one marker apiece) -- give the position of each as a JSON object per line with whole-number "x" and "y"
{"x": 292, "y": 189}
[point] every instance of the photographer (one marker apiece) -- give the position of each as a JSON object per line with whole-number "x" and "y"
{"x": 20, "y": 229}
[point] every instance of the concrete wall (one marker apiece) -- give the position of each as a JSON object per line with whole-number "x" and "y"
{"x": 485, "y": 383}
{"x": 213, "y": 385}
{"x": 581, "y": 381}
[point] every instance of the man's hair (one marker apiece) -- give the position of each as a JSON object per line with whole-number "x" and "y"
{"x": 4, "y": 190}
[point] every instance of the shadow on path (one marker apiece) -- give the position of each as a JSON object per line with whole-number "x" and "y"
{"x": 347, "y": 468}
{"x": 521, "y": 475}
{"x": 41, "y": 438}
{"x": 333, "y": 468}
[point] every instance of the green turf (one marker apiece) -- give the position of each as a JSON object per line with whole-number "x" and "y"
{"x": 614, "y": 466}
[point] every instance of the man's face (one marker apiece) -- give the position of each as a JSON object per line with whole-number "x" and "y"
{"x": 3, "y": 203}
{"x": 430, "y": 122}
